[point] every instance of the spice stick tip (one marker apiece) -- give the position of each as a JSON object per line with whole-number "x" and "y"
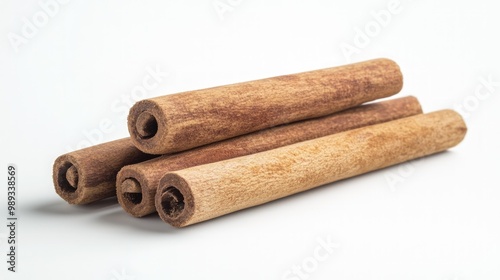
{"x": 72, "y": 176}
{"x": 146, "y": 125}
{"x": 132, "y": 190}
{"x": 172, "y": 202}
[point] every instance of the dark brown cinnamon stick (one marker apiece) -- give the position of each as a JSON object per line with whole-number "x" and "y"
{"x": 137, "y": 183}
{"x": 89, "y": 174}
{"x": 182, "y": 121}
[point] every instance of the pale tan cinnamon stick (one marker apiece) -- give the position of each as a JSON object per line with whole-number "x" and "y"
{"x": 89, "y": 174}
{"x": 204, "y": 192}
{"x": 136, "y": 184}
{"x": 182, "y": 121}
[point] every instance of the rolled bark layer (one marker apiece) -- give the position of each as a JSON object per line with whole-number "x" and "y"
{"x": 182, "y": 121}
{"x": 89, "y": 174}
{"x": 136, "y": 184}
{"x": 204, "y": 192}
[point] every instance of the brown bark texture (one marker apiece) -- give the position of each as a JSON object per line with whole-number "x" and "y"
{"x": 207, "y": 191}
{"x": 182, "y": 121}
{"x": 137, "y": 184}
{"x": 89, "y": 174}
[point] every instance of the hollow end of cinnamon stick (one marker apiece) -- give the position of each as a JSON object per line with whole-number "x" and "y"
{"x": 67, "y": 175}
{"x": 88, "y": 175}
{"x": 134, "y": 193}
{"x": 68, "y": 178}
{"x": 146, "y": 125}
{"x": 174, "y": 200}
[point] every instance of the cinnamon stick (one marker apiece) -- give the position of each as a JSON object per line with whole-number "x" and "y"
{"x": 182, "y": 121}
{"x": 204, "y": 192}
{"x": 89, "y": 174}
{"x": 136, "y": 184}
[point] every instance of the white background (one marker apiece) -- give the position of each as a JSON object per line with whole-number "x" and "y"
{"x": 71, "y": 81}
